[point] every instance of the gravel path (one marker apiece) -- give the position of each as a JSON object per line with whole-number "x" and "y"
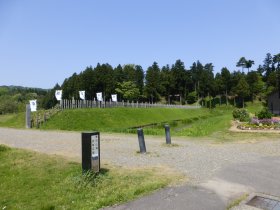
{"x": 198, "y": 160}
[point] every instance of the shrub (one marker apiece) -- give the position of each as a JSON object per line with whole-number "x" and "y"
{"x": 192, "y": 97}
{"x": 264, "y": 114}
{"x": 240, "y": 114}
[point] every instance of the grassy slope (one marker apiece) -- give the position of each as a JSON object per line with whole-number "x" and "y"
{"x": 198, "y": 122}
{"x": 57, "y": 184}
{"x": 117, "y": 119}
{"x": 202, "y": 122}
{"x": 13, "y": 120}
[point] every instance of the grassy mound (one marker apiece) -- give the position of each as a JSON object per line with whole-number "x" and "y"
{"x": 118, "y": 119}
{"x": 183, "y": 122}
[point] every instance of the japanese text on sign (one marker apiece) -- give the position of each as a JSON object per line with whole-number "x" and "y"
{"x": 94, "y": 146}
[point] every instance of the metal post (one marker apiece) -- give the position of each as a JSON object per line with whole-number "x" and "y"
{"x": 167, "y": 134}
{"x": 91, "y": 151}
{"x": 28, "y": 116}
{"x": 141, "y": 140}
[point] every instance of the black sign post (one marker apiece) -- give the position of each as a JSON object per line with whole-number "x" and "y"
{"x": 167, "y": 134}
{"x": 141, "y": 140}
{"x": 91, "y": 151}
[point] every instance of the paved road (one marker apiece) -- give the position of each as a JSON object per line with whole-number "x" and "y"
{"x": 218, "y": 173}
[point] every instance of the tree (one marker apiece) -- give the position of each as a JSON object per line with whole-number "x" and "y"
{"x": 139, "y": 78}
{"x": 208, "y": 79}
{"x": 179, "y": 75}
{"x": 129, "y": 72}
{"x": 196, "y": 71}
{"x": 49, "y": 100}
{"x": 276, "y": 60}
{"x": 89, "y": 82}
{"x": 226, "y": 78}
{"x": 166, "y": 82}
{"x": 119, "y": 74}
{"x": 256, "y": 85}
{"x": 268, "y": 66}
{"x": 242, "y": 63}
{"x": 249, "y": 64}
{"x": 105, "y": 82}
{"x": 153, "y": 86}
{"x": 128, "y": 90}
{"x": 7, "y": 104}
{"x": 242, "y": 89}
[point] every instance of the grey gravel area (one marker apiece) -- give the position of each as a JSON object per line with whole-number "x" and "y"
{"x": 198, "y": 160}
{"x": 218, "y": 173}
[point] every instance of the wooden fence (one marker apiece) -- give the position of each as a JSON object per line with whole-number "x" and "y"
{"x": 78, "y": 104}
{"x": 40, "y": 117}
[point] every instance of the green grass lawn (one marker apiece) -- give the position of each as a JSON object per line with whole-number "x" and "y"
{"x": 183, "y": 122}
{"x": 118, "y": 119}
{"x": 29, "y": 180}
{"x": 13, "y": 120}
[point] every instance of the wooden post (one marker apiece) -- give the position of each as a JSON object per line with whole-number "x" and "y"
{"x": 28, "y": 116}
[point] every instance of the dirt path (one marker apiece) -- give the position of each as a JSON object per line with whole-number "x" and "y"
{"x": 196, "y": 159}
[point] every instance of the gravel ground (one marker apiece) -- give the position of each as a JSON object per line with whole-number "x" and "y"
{"x": 198, "y": 160}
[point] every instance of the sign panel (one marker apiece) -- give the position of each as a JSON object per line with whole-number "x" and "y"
{"x": 33, "y": 105}
{"x": 58, "y": 95}
{"x": 99, "y": 96}
{"x": 94, "y": 147}
{"x": 114, "y": 98}
{"x": 82, "y": 94}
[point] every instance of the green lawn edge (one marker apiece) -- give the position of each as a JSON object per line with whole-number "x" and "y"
{"x": 29, "y": 180}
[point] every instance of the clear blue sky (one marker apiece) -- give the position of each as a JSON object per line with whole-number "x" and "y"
{"x": 44, "y": 41}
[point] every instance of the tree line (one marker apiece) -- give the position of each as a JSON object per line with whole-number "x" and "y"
{"x": 14, "y": 98}
{"x": 167, "y": 84}
{"x": 175, "y": 83}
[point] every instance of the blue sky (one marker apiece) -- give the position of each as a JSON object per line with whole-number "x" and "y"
{"x": 42, "y": 42}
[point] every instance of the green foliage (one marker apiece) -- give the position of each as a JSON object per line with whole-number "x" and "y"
{"x": 4, "y": 148}
{"x": 192, "y": 97}
{"x": 240, "y": 114}
{"x": 242, "y": 62}
{"x": 264, "y": 114}
{"x": 175, "y": 82}
{"x": 49, "y": 101}
{"x": 13, "y": 120}
{"x": 128, "y": 91}
{"x": 58, "y": 184}
{"x": 153, "y": 85}
{"x": 13, "y": 99}
{"x": 8, "y": 104}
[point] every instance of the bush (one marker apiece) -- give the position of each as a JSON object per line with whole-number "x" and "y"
{"x": 264, "y": 114}
{"x": 240, "y": 114}
{"x": 192, "y": 97}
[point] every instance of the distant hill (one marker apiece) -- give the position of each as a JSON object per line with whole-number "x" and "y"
{"x": 14, "y": 98}
{"x": 14, "y": 87}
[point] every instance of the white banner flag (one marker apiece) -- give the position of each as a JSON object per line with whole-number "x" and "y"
{"x": 82, "y": 94}
{"x": 114, "y": 98}
{"x": 58, "y": 94}
{"x": 99, "y": 96}
{"x": 33, "y": 105}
